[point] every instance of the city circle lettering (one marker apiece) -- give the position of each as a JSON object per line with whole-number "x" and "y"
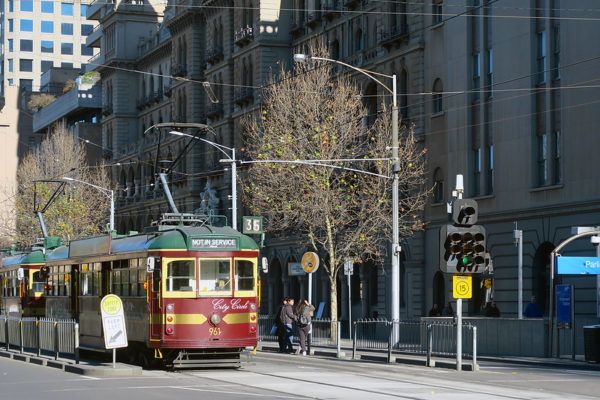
{"x": 111, "y": 304}
{"x": 214, "y": 243}
{"x": 235, "y": 304}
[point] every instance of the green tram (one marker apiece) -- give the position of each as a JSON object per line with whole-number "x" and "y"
{"x": 22, "y": 284}
{"x": 189, "y": 292}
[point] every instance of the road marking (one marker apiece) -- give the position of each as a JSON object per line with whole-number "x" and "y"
{"x": 239, "y": 393}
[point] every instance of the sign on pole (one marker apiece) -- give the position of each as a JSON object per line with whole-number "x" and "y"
{"x": 252, "y": 225}
{"x": 295, "y": 269}
{"x": 462, "y": 287}
{"x": 310, "y": 262}
{"x": 578, "y": 265}
{"x": 348, "y": 267}
{"x": 564, "y": 305}
{"x": 113, "y": 322}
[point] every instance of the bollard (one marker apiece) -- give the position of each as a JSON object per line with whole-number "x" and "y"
{"x": 56, "y": 340}
{"x": 390, "y": 339}
{"x": 39, "y": 337}
{"x": 21, "y": 336}
{"x": 76, "y": 341}
{"x": 339, "y": 339}
{"x": 475, "y": 348}
{"x": 429, "y": 343}
{"x": 354, "y": 343}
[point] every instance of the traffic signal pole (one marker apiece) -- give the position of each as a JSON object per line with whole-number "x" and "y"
{"x": 459, "y": 192}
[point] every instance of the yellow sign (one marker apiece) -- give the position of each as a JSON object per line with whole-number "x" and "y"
{"x": 111, "y": 304}
{"x": 310, "y": 262}
{"x": 462, "y": 287}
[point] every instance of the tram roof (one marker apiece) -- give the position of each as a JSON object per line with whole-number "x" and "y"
{"x": 34, "y": 257}
{"x": 205, "y": 238}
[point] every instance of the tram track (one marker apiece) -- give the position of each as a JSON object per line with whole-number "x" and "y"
{"x": 368, "y": 391}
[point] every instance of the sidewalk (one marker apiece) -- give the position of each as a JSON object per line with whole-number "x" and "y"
{"x": 85, "y": 367}
{"x": 440, "y": 362}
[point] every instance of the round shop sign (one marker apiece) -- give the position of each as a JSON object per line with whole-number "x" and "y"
{"x": 310, "y": 262}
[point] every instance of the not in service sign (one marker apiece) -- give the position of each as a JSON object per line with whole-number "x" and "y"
{"x": 113, "y": 322}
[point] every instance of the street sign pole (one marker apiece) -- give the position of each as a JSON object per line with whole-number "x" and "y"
{"x": 348, "y": 270}
{"x": 518, "y": 235}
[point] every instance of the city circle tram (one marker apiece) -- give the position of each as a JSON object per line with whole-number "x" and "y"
{"x": 189, "y": 292}
{"x": 22, "y": 284}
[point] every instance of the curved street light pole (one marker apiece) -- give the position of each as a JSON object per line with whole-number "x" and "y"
{"x": 231, "y": 160}
{"x": 395, "y": 183}
{"x": 107, "y": 192}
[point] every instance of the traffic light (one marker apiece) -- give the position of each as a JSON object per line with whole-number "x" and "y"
{"x": 462, "y": 245}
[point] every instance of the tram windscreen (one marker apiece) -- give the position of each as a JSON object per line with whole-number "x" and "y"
{"x": 244, "y": 275}
{"x": 181, "y": 276}
{"x": 37, "y": 283}
{"x": 215, "y": 276}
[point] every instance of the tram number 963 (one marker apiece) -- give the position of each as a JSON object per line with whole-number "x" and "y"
{"x": 214, "y": 331}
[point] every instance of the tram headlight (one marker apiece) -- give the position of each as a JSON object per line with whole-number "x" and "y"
{"x": 215, "y": 319}
{"x": 170, "y": 307}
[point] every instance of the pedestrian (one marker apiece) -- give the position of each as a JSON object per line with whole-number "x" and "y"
{"x": 448, "y": 311}
{"x": 305, "y": 313}
{"x": 491, "y": 310}
{"x": 280, "y": 326}
{"x": 288, "y": 318}
{"x": 533, "y": 309}
{"x": 435, "y": 311}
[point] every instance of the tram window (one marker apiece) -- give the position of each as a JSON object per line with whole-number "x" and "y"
{"x": 84, "y": 284}
{"x": 141, "y": 281}
{"x": 181, "y": 276}
{"x": 156, "y": 280}
{"x": 215, "y": 275}
{"x": 116, "y": 282}
{"x": 244, "y": 275}
{"x": 37, "y": 284}
{"x": 125, "y": 282}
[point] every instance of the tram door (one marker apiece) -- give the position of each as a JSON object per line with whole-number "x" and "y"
{"x": 74, "y": 290}
{"x": 155, "y": 306}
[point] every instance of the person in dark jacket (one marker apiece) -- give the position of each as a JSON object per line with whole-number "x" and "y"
{"x": 435, "y": 311}
{"x": 280, "y": 326}
{"x": 305, "y": 312}
{"x": 491, "y": 310}
{"x": 288, "y": 318}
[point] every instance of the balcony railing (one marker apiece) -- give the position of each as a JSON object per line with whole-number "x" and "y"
{"x": 179, "y": 70}
{"x": 243, "y": 35}
{"x": 214, "y": 55}
{"x": 394, "y": 34}
{"x": 243, "y": 96}
{"x": 214, "y": 110}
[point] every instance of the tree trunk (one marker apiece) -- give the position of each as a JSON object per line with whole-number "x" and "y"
{"x": 333, "y": 309}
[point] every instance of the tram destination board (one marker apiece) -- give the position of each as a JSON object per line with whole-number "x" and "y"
{"x": 213, "y": 243}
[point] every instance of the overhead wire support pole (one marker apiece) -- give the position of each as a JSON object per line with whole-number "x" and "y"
{"x": 109, "y": 193}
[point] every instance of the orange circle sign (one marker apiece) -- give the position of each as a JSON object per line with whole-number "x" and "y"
{"x": 310, "y": 262}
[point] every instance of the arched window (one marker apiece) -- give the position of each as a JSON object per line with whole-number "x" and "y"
{"x": 439, "y": 290}
{"x": 358, "y": 40}
{"x": 438, "y": 190}
{"x": 438, "y": 89}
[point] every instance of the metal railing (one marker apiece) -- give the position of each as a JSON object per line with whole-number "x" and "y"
{"x": 40, "y": 336}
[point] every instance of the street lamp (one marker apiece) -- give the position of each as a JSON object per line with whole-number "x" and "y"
{"x": 395, "y": 183}
{"x": 231, "y": 160}
{"x": 107, "y": 192}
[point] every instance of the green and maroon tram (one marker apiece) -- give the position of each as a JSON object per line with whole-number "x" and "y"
{"x": 22, "y": 284}
{"x": 189, "y": 293}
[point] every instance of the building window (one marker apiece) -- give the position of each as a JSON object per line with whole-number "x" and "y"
{"x": 476, "y": 172}
{"x": 48, "y": 7}
{"x": 86, "y": 51}
{"x": 556, "y": 53}
{"x": 437, "y": 11}
{"x": 358, "y": 40}
{"x": 557, "y": 158}
{"x": 66, "y": 9}
{"x": 10, "y": 65}
{"x": 66, "y": 28}
{"x": 490, "y": 72}
{"x": 47, "y": 27}
{"x": 83, "y": 10}
{"x": 27, "y": 5}
{"x": 541, "y": 57}
{"x": 26, "y": 25}
{"x": 46, "y": 65}
{"x": 476, "y": 75}
{"x": 26, "y": 45}
{"x": 542, "y": 159}
{"x": 438, "y": 190}
{"x": 11, "y": 5}
{"x": 25, "y": 65}
{"x": 66, "y": 65}
{"x": 66, "y": 48}
{"x": 489, "y": 179}
{"x": 438, "y": 88}
{"x": 10, "y": 45}
{"x": 47, "y": 46}
{"x": 11, "y": 25}
{"x": 86, "y": 29}
{"x": 11, "y": 82}
{"x": 26, "y": 84}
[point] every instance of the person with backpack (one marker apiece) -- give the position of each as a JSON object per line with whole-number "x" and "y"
{"x": 305, "y": 313}
{"x": 279, "y": 325}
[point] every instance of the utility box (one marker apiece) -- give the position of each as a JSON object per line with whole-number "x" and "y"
{"x": 591, "y": 342}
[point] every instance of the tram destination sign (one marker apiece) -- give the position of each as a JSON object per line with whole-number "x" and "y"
{"x": 213, "y": 243}
{"x": 578, "y": 265}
